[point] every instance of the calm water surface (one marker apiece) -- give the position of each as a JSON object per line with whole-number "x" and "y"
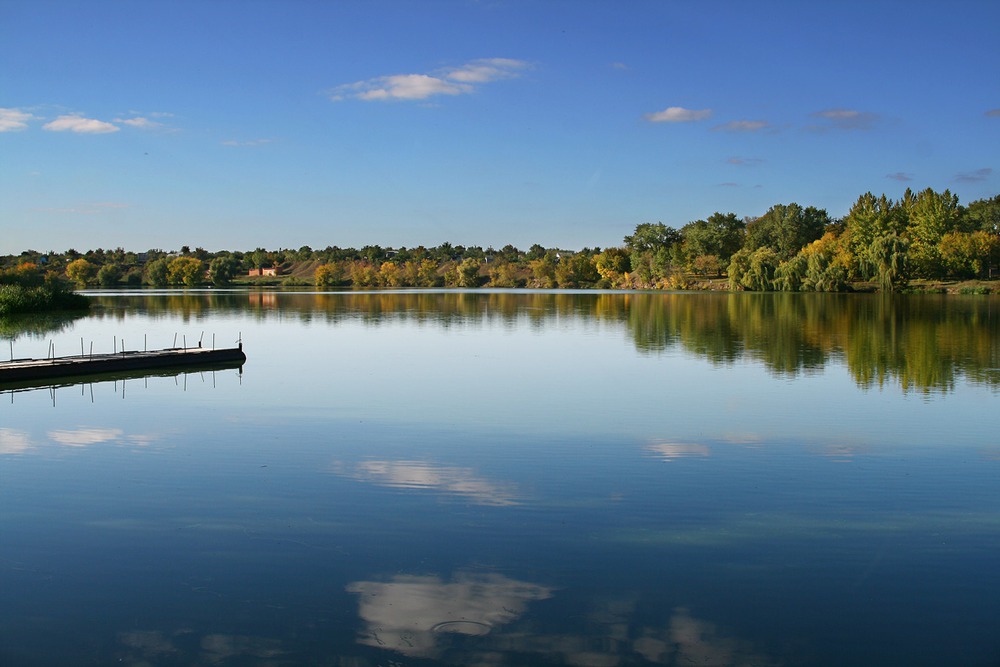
{"x": 510, "y": 478}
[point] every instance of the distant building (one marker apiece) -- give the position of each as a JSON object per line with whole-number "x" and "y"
{"x": 271, "y": 271}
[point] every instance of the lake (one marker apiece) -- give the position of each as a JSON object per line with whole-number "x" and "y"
{"x": 509, "y": 478}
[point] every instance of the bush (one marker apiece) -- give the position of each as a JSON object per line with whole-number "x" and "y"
{"x": 19, "y": 299}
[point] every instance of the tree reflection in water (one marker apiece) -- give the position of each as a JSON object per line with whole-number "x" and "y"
{"x": 920, "y": 342}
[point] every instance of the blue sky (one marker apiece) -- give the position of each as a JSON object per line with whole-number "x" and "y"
{"x": 233, "y": 125}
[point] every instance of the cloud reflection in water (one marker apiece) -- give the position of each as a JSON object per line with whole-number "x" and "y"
{"x": 677, "y": 450}
{"x": 414, "y": 614}
{"x": 420, "y": 475}
{"x": 13, "y": 441}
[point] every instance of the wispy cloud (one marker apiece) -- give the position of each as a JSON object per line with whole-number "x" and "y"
{"x": 246, "y": 143}
{"x": 743, "y": 126}
{"x": 993, "y": 113}
{"x": 462, "y": 80}
{"x": 419, "y": 475}
{"x": 729, "y": 184}
{"x": 977, "y": 176}
{"x": 619, "y": 65}
{"x": 141, "y": 122}
{"x": 82, "y": 437}
{"x": 12, "y": 120}
{"x": 486, "y": 70}
{"x": 744, "y": 161}
{"x": 678, "y": 115}
{"x": 900, "y": 176}
{"x": 80, "y": 125}
{"x": 845, "y": 119}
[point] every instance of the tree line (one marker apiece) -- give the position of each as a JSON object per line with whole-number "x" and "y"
{"x": 883, "y": 242}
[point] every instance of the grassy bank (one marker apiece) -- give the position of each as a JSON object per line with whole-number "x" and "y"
{"x": 16, "y": 299}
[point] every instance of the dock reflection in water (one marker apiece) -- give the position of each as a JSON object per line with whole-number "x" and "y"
{"x": 179, "y": 375}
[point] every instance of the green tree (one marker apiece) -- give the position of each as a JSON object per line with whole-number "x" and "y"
{"x": 824, "y": 272}
{"x": 223, "y": 269}
{"x": 81, "y": 272}
{"x": 786, "y": 229}
{"x": 261, "y": 258}
{"x": 536, "y": 251}
{"x": 753, "y": 269}
{"x": 543, "y": 271}
{"x": 930, "y": 215}
{"x": 577, "y": 270}
{"x": 109, "y": 275}
{"x": 984, "y": 215}
{"x": 790, "y": 274}
{"x": 613, "y": 264}
{"x": 720, "y": 235}
{"x": 871, "y": 218}
{"x": 652, "y": 236}
{"x": 889, "y": 262}
{"x": 158, "y": 272}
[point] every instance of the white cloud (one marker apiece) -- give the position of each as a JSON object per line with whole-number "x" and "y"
{"x": 80, "y": 125}
{"x": 461, "y": 80}
{"x": 845, "y": 119}
{"x": 140, "y": 122}
{"x": 678, "y": 115}
{"x": 411, "y": 87}
{"x": 743, "y": 126}
{"x": 486, "y": 70}
{"x": 12, "y": 120}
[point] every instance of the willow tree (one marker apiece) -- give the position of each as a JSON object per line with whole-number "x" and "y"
{"x": 869, "y": 219}
{"x": 888, "y": 261}
{"x": 754, "y": 269}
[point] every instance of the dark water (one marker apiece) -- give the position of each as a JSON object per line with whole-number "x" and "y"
{"x": 501, "y": 478}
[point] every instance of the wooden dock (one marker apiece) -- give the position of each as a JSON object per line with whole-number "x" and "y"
{"x": 34, "y": 370}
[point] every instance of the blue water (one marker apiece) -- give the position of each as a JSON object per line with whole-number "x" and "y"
{"x": 485, "y": 478}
